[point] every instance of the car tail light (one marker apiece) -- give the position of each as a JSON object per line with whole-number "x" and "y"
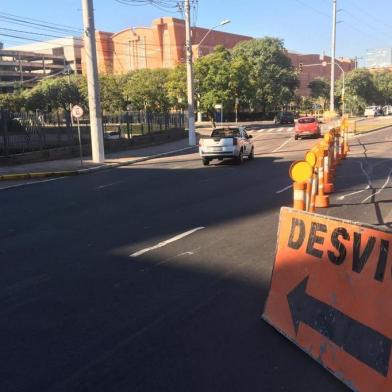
{"x": 234, "y": 141}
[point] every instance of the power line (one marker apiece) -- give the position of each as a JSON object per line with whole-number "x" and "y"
{"x": 5, "y": 14}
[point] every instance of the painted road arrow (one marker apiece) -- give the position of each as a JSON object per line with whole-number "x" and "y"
{"x": 363, "y": 343}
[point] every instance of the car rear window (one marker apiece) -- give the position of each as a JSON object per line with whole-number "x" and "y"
{"x": 225, "y": 132}
{"x": 307, "y": 120}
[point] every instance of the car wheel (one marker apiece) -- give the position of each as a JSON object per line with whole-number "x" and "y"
{"x": 206, "y": 161}
{"x": 240, "y": 158}
{"x": 296, "y": 137}
{"x": 252, "y": 154}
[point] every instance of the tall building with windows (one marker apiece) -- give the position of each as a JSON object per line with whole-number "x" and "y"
{"x": 379, "y": 58}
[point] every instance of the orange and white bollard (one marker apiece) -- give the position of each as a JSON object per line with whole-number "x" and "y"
{"x": 312, "y": 204}
{"x": 321, "y": 200}
{"x": 299, "y": 195}
{"x": 328, "y": 185}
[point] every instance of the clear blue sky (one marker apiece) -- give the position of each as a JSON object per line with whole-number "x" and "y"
{"x": 305, "y": 25}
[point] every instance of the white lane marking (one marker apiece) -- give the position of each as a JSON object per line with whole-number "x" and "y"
{"x": 367, "y": 175}
{"x": 164, "y": 243}
{"x": 30, "y": 183}
{"x": 284, "y": 189}
{"x": 381, "y": 189}
{"x": 280, "y": 129}
{"x": 354, "y": 193}
{"x": 282, "y": 145}
{"x": 271, "y": 130}
{"x": 107, "y": 185}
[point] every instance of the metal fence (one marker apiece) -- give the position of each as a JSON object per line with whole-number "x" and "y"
{"x": 25, "y": 132}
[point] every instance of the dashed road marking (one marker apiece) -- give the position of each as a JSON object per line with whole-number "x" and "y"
{"x": 164, "y": 243}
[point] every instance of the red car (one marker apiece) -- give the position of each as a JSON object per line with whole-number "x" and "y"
{"x": 307, "y": 126}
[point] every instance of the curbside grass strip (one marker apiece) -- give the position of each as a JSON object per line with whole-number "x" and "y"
{"x": 370, "y": 130}
{"x": 66, "y": 173}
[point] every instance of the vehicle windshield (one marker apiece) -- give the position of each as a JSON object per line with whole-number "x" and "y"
{"x": 225, "y": 132}
{"x": 307, "y": 120}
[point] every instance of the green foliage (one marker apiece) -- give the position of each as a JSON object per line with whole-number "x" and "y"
{"x": 13, "y": 102}
{"x": 112, "y": 99}
{"x": 215, "y": 80}
{"x": 383, "y": 85}
{"x": 176, "y": 87}
{"x": 320, "y": 88}
{"x": 360, "y": 90}
{"x": 271, "y": 78}
{"x": 146, "y": 89}
{"x": 56, "y": 93}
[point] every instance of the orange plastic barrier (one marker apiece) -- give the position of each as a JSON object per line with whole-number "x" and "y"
{"x": 331, "y": 293}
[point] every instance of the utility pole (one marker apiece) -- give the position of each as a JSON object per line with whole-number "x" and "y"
{"x": 94, "y": 101}
{"x": 189, "y": 75}
{"x": 332, "y": 92}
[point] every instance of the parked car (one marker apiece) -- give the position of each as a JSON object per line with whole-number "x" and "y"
{"x": 113, "y": 135}
{"x": 307, "y": 126}
{"x": 387, "y": 110}
{"x": 226, "y": 142}
{"x": 284, "y": 118}
{"x": 371, "y": 111}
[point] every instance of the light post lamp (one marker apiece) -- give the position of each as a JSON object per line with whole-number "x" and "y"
{"x": 222, "y": 23}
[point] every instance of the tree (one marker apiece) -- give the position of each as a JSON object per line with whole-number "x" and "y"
{"x": 272, "y": 79}
{"x": 112, "y": 99}
{"x": 146, "y": 89}
{"x": 176, "y": 87}
{"x": 319, "y": 90}
{"x": 383, "y": 86}
{"x": 360, "y": 90}
{"x": 13, "y": 102}
{"x": 215, "y": 83}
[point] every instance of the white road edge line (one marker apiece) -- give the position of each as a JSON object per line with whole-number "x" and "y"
{"x": 164, "y": 243}
{"x": 282, "y": 145}
{"x": 286, "y": 188}
{"x": 353, "y": 193}
{"x": 381, "y": 189}
{"x": 30, "y": 183}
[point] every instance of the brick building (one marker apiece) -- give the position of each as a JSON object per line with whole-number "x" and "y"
{"x": 160, "y": 46}
{"x": 310, "y": 73}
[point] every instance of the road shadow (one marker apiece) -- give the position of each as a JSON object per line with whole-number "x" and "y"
{"x": 80, "y": 315}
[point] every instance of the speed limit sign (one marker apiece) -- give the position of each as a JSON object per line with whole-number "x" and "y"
{"x": 77, "y": 111}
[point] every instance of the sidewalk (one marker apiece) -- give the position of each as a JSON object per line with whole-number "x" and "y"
{"x": 72, "y": 166}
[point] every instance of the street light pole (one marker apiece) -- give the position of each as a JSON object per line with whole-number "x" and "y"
{"x": 94, "y": 101}
{"x": 189, "y": 75}
{"x": 222, "y": 23}
{"x": 332, "y": 92}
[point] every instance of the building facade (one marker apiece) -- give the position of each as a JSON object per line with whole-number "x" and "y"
{"x": 378, "y": 58}
{"x": 160, "y": 46}
{"x": 313, "y": 69}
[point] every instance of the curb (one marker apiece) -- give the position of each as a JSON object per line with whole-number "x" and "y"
{"x": 370, "y": 130}
{"x": 67, "y": 173}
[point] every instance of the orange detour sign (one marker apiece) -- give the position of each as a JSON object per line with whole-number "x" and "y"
{"x": 331, "y": 294}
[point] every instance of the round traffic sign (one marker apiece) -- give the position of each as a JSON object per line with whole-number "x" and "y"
{"x": 311, "y": 158}
{"x": 300, "y": 171}
{"x": 77, "y": 111}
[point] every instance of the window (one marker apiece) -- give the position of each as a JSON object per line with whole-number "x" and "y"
{"x": 307, "y": 120}
{"x": 226, "y": 132}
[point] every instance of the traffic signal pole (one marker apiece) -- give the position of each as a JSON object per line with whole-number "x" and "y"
{"x": 94, "y": 101}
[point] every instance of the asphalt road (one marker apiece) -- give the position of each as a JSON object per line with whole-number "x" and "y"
{"x": 94, "y": 297}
